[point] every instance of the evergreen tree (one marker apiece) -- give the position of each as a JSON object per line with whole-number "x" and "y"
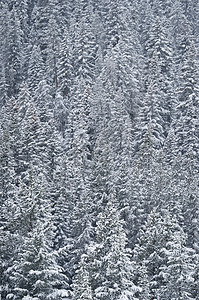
{"x": 35, "y": 274}
{"x": 60, "y": 114}
{"x": 99, "y": 126}
{"x": 109, "y": 268}
{"x": 85, "y": 47}
{"x": 161, "y": 254}
{"x": 8, "y": 237}
{"x": 3, "y": 86}
{"x": 178, "y": 274}
{"x": 13, "y": 53}
{"x": 81, "y": 284}
{"x": 53, "y": 43}
{"x": 65, "y": 65}
{"x": 36, "y": 69}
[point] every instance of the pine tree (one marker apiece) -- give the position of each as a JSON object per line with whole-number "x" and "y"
{"x": 72, "y": 177}
{"x": 36, "y": 69}
{"x": 178, "y": 274}
{"x": 99, "y": 126}
{"x": 54, "y": 34}
{"x": 3, "y": 86}
{"x": 84, "y": 52}
{"x": 39, "y": 30}
{"x": 196, "y": 278}
{"x": 60, "y": 114}
{"x": 8, "y": 237}
{"x": 35, "y": 274}
{"x": 32, "y": 212}
{"x": 65, "y": 65}
{"x": 108, "y": 265}
{"x": 116, "y": 270}
{"x": 81, "y": 284}
{"x": 147, "y": 164}
{"x": 186, "y": 139}
{"x": 165, "y": 267}
{"x": 13, "y": 52}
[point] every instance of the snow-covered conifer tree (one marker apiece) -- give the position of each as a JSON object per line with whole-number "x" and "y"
{"x": 110, "y": 271}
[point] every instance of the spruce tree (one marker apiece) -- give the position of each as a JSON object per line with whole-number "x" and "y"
{"x": 13, "y": 52}
{"x": 108, "y": 263}
{"x": 165, "y": 266}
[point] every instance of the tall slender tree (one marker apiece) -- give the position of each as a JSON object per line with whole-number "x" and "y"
{"x": 109, "y": 269}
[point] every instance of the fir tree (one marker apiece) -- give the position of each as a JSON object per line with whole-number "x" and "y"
{"x": 161, "y": 254}
{"x": 108, "y": 265}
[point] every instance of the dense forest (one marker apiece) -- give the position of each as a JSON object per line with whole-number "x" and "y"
{"x": 99, "y": 149}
